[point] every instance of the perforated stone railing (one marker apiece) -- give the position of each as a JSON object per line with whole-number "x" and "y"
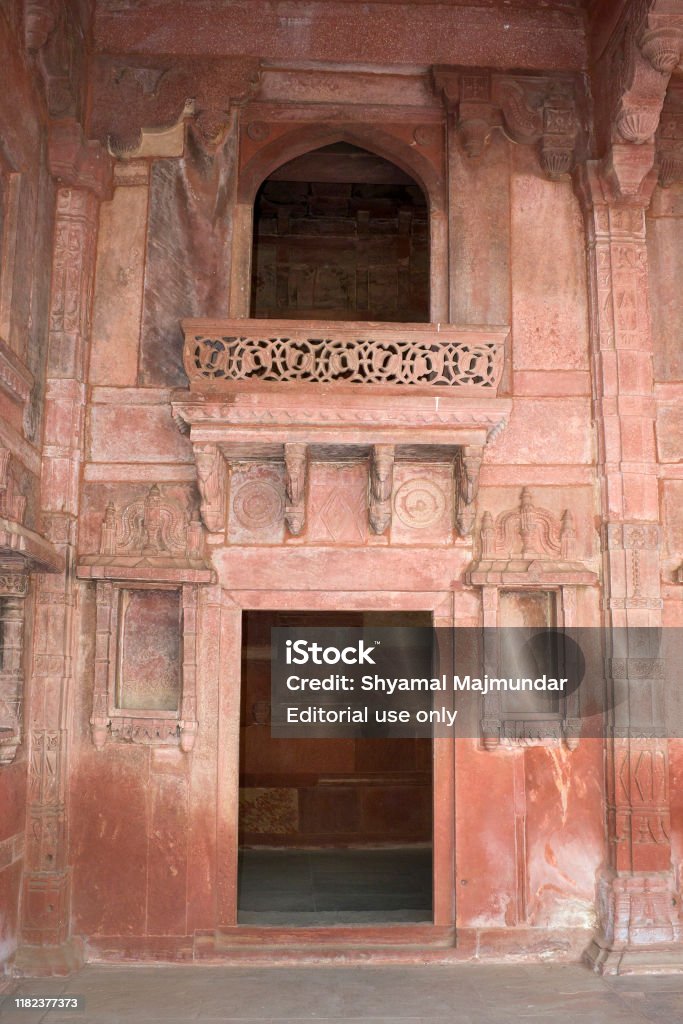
{"x": 223, "y": 352}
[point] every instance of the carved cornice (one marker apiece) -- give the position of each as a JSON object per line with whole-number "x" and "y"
{"x": 21, "y": 545}
{"x": 78, "y": 163}
{"x": 530, "y": 110}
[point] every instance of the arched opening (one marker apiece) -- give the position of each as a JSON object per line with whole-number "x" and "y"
{"x": 340, "y": 234}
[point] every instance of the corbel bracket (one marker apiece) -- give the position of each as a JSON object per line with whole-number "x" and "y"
{"x": 467, "y": 467}
{"x": 381, "y": 481}
{"x": 296, "y": 475}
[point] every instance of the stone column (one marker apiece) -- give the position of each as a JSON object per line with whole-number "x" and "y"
{"x": 636, "y": 906}
{"x": 83, "y": 172}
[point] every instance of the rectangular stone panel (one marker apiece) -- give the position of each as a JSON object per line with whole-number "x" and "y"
{"x": 149, "y": 666}
{"x": 549, "y": 305}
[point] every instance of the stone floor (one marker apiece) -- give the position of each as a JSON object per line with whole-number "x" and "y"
{"x": 460, "y": 994}
{"x": 323, "y": 887}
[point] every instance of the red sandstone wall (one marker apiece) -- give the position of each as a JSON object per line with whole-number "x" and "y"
{"x": 23, "y": 334}
{"x": 530, "y": 833}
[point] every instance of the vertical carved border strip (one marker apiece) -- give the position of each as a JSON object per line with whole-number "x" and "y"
{"x": 100, "y": 720}
{"x": 13, "y": 592}
{"x": 188, "y": 708}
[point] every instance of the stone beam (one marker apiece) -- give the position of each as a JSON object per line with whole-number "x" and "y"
{"x": 381, "y": 33}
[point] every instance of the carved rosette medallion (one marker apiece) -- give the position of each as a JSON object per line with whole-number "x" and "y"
{"x": 419, "y": 503}
{"x": 258, "y": 505}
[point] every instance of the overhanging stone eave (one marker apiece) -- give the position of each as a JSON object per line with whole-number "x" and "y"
{"x": 26, "y": 548}
{"x": 315, "y": 415}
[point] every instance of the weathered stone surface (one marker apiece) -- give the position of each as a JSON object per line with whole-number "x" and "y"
{"x": 182, "y": 478}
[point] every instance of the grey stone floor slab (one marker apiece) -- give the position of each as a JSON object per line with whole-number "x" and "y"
{"x": 384, "y": 881}
{"x": 458, "y": 994}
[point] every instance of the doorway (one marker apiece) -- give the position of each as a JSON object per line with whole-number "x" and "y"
{"x": 331, "y": 831}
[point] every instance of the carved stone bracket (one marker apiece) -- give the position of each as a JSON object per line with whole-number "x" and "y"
{"x": 380, "y": 487}
{"x": 212, "y": 478}
{"x": 630, "y": 82}
{"x": 296, "y": 472}
{"x": 531, "y": 110}
{"x": 467, "y": 466}
{"x": 53, "y": 35}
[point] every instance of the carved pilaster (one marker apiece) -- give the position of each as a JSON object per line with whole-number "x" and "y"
{"x": 381, "y": 482}
{"x": 82, "y": 172}
{"x": 634, "y": 910}
{"x": 296, "y": 472}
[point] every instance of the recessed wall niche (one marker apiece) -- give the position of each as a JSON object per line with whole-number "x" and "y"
{"x": 149, "y": 670}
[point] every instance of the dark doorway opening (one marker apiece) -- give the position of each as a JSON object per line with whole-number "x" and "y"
{"x": 331, "y": 831}
{"x": 341, "y": 234}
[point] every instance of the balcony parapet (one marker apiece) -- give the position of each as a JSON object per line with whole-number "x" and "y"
{"x": 224, "y": 355}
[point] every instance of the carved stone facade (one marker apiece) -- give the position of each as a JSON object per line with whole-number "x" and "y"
{"x": 170, "y": 461}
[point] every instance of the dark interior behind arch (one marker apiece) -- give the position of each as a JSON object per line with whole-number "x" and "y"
{"x": 340, "y": 234}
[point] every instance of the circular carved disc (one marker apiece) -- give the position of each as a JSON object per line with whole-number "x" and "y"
{"x": 258, "y": 504}
{"x": 419, "y": 503}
